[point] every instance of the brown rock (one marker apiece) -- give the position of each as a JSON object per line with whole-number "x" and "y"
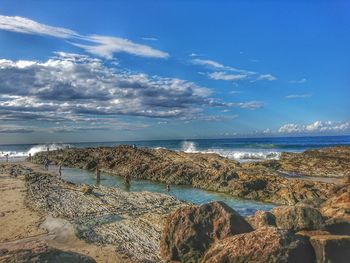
{"x": 267, "y": 244}
{"x": 190, "y": 230}
{"x": 262, "y": 219}
{"x": 298, "y": 217}
{"x": 328, "y": 162}
{"x": 331, "y": 248}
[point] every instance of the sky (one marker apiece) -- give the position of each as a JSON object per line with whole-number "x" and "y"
{"x": 74, "y": 71}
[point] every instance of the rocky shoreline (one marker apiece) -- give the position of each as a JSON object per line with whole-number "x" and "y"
{"x": 256, "y": 181}
{"x": 314, "y": 226}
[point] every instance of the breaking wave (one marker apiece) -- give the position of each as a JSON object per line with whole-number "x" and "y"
{"x": 18, "y": 155}
{"x": 242, "y": 155}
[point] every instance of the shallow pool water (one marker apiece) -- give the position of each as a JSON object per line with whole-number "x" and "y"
{"x": 181, "y": 192}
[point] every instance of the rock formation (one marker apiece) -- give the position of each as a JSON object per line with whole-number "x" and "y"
{"x": 206, "y": 171}
{"x": 190, "y": 230}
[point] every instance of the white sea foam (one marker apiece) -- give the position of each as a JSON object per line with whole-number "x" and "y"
{"x": 188, "y": 147}
{"x": 242, "y": 155}
{"x": 20, "y": 155}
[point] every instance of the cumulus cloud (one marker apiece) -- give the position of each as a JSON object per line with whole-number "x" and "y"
{"x": 225, "y": 72}
{"x": 99, "y": 45}
{"x": 72, "y": 88}
{"x": 316, "y": 127}
{"x": 298, "y": 96}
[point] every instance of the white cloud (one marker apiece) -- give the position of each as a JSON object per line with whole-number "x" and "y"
{"x": 300, "y": 81}
{"x": 209, "y": 63}
{"x": 266, "y": 77}
{"x": 316, "y": 127}
{"x": 150, "y": 38}
{"x": 224, "y": 73}
{"x": 298, "y": 96}
{"x": 99, "y": 45}
{"x": 224, "y": 76}
{"x": 70, "y": 88}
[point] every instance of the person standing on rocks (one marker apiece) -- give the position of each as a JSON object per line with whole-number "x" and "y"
{"x": 60, "y": 171}
{"x": 98, "y": 175}
{"x": 168, "y": 187}
{"x": 7, "y": 157}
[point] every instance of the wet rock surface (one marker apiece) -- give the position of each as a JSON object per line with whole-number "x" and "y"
{"x": 207, "y": 171}
{"x": 328, "y": 162}
{"x": 190, "y": 230}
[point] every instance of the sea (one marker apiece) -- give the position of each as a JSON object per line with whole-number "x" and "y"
{"x": 240, "y": 149}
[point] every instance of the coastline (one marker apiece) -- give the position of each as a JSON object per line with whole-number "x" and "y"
{"x": 133, "y": 223}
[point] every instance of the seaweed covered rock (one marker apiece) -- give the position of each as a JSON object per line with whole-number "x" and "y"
{"x": 190, "y": 230}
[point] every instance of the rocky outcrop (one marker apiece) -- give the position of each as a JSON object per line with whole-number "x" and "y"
{"x": 132, "y": 221}
{"x": 331, "y": 248}
{"x": 262, "y": 219}
{"x": 336, "y": 210}
{"x": 190, "y": 230}
{"x": 206, "y": 171}
{"x": 266, "y": 244}
{"x": 298, "y": 217}
{"x": 329, "y": 162}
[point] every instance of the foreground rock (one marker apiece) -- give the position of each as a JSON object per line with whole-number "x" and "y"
{"x": 331, "y": 248}
{"x": 298, "y": 217}
{"x": 132, "y": 222}
{"x": 190, "y": 230}
{"x": 206, "y": 171}
{"x": 329, "y": 162}
{"x": 265, "y": 244}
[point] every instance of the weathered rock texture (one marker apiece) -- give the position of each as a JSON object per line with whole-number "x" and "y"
{"x": 132, "y": 221}
{"x": 266, "y": 244}
{"x": 190, "y": 230}
{"x": 206, "y": 171}
{"x": 330, "y": 162}
{"x": 298, "y": 217}
{"x": 331, "y": 248}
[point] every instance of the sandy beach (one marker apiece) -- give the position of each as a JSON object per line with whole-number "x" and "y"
{"x": 22, "y": 227}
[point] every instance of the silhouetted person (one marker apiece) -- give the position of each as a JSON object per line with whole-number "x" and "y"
{"x": 98, "y": 175}
{"x": 7, "y": 157}
{"x": 46, "y": 164}
{"x": 60, "y": 171}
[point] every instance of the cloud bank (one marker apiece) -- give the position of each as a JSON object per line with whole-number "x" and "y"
{"x": 316, "y": 127}
{"x": 73, "y": 88}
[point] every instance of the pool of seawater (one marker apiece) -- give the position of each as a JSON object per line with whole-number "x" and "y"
{"x": 181, "y": 192}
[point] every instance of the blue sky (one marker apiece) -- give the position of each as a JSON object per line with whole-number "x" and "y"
{"x": 126, "y": 70}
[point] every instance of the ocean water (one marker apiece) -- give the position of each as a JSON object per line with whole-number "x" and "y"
{"x": 240, "y": 149}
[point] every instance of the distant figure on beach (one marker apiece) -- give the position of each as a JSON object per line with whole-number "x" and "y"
{"x": 30, "y": 157}
{"x": 60, "y": 171}
{"x": 7, "y": 157}
{"x": 127, "y": 179}
{"x": 98, "y": 175}
{"x": 134, "y": 146}
{"x": 168, "y": 187}
{"x": 46, "y": 163}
